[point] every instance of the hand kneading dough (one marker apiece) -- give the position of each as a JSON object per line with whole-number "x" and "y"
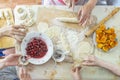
{"x": 68, "y": 20}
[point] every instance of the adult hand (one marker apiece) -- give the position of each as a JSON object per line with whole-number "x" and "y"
{"x": 23, "y": 74}
{"x": 85, "y": 12}
{"x": 84, "y": 15}
{"x": 16, "y": 32}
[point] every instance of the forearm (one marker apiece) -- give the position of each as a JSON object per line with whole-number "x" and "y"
{"x": 110, "y": 67}
{"x": 91, "y": 3}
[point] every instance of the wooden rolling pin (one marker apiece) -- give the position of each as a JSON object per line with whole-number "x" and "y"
{"x": 102, "y": 22}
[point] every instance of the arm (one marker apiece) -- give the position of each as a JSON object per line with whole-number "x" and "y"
{"x": 91, "y": 4}
{"x": 16, "y": 32}
{"x": 10, "y": 60}
{"x": 111, "y": 67}
{"x": 94, "y": 61}
{"x": 85, "y": 12}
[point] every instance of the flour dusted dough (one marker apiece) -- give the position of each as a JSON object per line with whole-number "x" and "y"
{"x": 42, "y": 27}
{"x": 84, "y": 47}
{"x": 72, "y": 37}
{"x": 83, "y": 50}
{"x": 68, "y": 20}
{"x": 53, "y": 32}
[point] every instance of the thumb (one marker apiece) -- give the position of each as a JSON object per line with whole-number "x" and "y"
{"x": 17, "y": 55}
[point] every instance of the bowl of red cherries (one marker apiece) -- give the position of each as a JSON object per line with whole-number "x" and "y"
{"x": 38, "y": 46}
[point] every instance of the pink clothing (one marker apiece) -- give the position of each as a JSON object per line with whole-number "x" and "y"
{"x": 55, "y": 3}
{"x": 59, "y": 2}
{"x": 77, "y": 2}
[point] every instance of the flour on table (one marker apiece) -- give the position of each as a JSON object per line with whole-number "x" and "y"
{"x": 72, "y": 37}
{"x": 82, "y": 50}
{"x": 53, "y": 32}
{"x": 42, "y": 27}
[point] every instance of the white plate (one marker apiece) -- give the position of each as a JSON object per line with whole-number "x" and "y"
{"x": 48, "y": 42}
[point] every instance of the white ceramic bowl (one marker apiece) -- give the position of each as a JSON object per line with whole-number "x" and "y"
{"x": 26, "y": 40}
{"x": 58, "y": 55}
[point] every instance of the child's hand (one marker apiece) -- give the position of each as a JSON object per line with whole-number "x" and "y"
{"x": 24, "y": 75}
{"x": 76, "y": 73}
{"x": 91, "y": 61}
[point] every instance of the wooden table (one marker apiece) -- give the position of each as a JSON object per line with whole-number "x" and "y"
{"x": 62, "y": 71}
